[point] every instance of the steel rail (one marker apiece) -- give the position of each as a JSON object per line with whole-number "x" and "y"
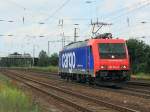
{"x": 54, "y": 73}
{"x": 135, "y": 92}
{"x": 130, "y": 91}
{"x": 138, "y": 83}
{"x": 100, "y": 102}
{"x": 68, "y": 102}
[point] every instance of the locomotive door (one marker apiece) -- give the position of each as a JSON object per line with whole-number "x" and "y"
{"x": 88, "y": 58}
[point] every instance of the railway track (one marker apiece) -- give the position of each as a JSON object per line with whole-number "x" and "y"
{"x": 39, "y": 85}
{"x": 136, "y": 83}
{"x": 139, "y": 83}
{"x": 49, "y": 74}
{"x": 134, "y": 90}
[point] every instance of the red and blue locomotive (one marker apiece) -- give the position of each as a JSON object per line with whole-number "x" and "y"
{"x": 98, "y": 60}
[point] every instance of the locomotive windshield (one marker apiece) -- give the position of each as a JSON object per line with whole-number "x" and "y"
{"x": 112, "y": 50}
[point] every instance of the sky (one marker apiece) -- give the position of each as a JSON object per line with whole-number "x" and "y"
{"x": 27, "y": 25}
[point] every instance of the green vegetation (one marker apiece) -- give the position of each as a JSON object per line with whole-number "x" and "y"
{"x": 45, "y": 60}
{"x": 141, "y": 76}
{"x": 45, "y": 69}
{"x": 54, "y": 59}
{"x": 139, "y": 56}
{"x": 13, "y": 99}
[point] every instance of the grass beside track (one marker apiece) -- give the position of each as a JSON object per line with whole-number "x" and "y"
{"x": 45, "y": 69}
{"x": 141, "y": 76}
{"x": 53, "y": 69}
{"x": 13, "y": 99}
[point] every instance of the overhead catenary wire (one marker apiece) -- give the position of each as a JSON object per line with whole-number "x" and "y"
{"x": 9, "y": 21}
{"x": 126, "y": 10}
{"x": 145, "y": 3}
{"x": 118, "y": 11}
{"x": 67, "y": 1}
{"x": 25, "y": 9}
{"x": 57, "y": 10}
{"x": 52, "y": 15}
{"x": 130, "y": 9}
{"x": 60, "y": 8}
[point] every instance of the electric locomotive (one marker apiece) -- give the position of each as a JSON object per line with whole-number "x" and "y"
{"x": 100, "y": 60}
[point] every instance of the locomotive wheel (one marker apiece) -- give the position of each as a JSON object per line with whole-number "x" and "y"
{"x": 78, "y": 78}
{"x": 83, "y": 79}
{"x": 68, "y": 77}
{"x": 91, "y": 80}
{"x": 62, "y": 76}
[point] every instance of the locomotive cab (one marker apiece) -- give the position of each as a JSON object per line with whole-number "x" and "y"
{"x": 111, "y": 60}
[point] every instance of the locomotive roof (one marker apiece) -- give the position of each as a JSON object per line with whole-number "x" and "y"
{"x": 90, "y": 41}
{"x": 76, "y": 44}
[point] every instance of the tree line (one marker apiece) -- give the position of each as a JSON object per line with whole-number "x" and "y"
{"x": 139, "y": 53}
{"x": 45, "y": 60}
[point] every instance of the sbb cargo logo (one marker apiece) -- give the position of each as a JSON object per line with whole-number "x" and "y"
{"x": 68, "y": 60}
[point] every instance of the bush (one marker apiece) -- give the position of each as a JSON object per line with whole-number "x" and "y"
{"x": 14, "y": 100}
{"x": 45, "y": 69}
{"x": 139, "y": 55}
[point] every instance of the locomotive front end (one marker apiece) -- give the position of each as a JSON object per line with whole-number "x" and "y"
{"x": 112, "y": 61}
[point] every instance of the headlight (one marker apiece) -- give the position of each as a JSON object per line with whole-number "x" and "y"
{"x": 123, "y": 66}
{"x": 103, "y": 67}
